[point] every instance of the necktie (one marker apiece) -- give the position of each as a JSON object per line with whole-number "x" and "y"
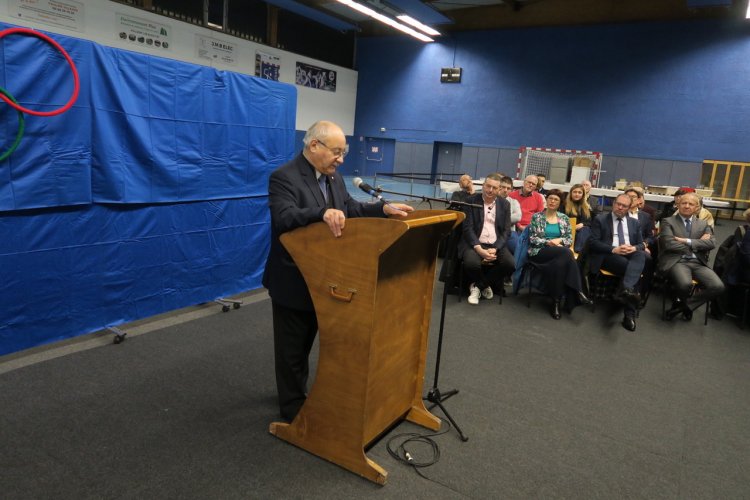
{"x": 688, "y": 227}
{"x": 620, "y": 232}
{"x": 322, "y": 184}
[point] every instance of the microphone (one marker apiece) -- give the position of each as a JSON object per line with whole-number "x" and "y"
{"x": 358, "y": 182}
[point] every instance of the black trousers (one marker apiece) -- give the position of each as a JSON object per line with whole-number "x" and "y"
{"x": 293, "y": 336}
{"x": 628, "y": 266}
{"x": 559, "y": 269}
{"x": 484, "y": 275}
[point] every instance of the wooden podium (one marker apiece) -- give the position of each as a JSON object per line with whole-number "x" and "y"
{"x": 372, "y": 291}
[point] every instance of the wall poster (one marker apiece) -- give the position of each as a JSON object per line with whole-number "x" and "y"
{"x": 59, "y": 13}
{"x": 314, "y": 77}
{"x": 267, "y": 66}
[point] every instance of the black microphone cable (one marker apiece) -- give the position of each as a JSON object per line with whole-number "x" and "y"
{"x": 407, "y": 457}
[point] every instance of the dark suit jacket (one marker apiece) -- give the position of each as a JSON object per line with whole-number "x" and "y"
{"x": 651, "y": 211}
{"x": 459, "y": 195}
{"x": 671, "y": 251}
{"x": 472, "y": 226}
{"x": 647, "y": 227}
{"x": 602, "y": 236}
{"x": 295, "y": 200}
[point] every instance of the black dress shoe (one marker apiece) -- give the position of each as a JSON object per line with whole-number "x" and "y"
{"x": 584, "y": 300}
{"x": 687, "y": 313}
{"x": 629, "y": 297}
{"x": 676, "y": 309}
{"x": 628, "y": 323}
{"x": 556, "y": 310}
{"x": 672, "y": 313}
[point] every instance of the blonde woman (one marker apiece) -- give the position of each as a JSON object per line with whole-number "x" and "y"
{"x": 576, "y": 206}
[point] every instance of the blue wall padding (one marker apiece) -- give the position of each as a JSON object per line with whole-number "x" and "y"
{"x": 144, "y": 129}
{"x": 76, "y": 270}
{"x": 149, "y": 195}
{"x": 673, "y": 91}
{"x": 52, "y": 165}
{"x": 169, "y": 131}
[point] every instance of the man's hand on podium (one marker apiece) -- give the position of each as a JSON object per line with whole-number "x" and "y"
{"x": 399, "y": 209}
{"x": 336, "y": 221}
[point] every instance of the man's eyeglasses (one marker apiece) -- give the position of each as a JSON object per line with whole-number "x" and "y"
{"x": 336, "y": 151}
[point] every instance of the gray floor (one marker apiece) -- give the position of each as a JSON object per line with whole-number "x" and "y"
{"x": 576, "y": 408}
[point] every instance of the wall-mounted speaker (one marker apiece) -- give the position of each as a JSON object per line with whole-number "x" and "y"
{"x": 450, "y": 75}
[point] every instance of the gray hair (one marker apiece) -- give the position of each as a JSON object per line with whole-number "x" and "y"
{"x": 319, "y": 130}
{"x": 696, "y": 198}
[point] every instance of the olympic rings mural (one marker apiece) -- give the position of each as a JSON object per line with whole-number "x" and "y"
{"x": 20, "y": 110}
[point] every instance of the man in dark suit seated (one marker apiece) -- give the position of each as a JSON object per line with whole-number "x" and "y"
{"x": 684, "y": 245}
{"x": 301, "y": 192}
{"x": 483, "y": 248}
{"x": 465, "y": 189}
{"x": 642, "y": 206}
{"x": 647, "y": 231}
{"x": 616, "y": 245}
{"x": 541, "y": 179}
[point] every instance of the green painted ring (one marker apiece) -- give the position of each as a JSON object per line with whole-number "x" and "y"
{"x": 21, "y": 127}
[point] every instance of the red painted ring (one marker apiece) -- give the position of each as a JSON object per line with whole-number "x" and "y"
{"x": 76, "y": 83}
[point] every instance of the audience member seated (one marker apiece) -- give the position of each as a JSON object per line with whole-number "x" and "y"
{"x": 593, "y": 207}
{"x": 550, "y": 251}
{"x": 465, "y": 189}
{"x": 486, "y": 258}
{"x": 742, "y": 239}
{"x": 576, "y": 206}
{"x": 530, "y": 200}
{"x": 645, "y": 219}
{"x": 506, "y": 186}
{"x": 541, "y": 179}
{"x": 670, "y": 209}
{"x": 642, "y": 203}
{"x": 732, "y": 265}
{"x": 616, "y": 245}
{"x": 702, "y": 213}
{"x": 647, "y": 233}
{"x": 684, "y": 246}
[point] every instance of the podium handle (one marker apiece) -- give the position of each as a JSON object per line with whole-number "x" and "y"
{"x": 343, "y": 297}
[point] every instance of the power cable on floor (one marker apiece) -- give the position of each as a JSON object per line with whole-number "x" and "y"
{"x": 408, "y": 456}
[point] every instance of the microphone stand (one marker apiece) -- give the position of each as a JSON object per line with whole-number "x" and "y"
{"x": 447, "y": 273}
{"x": 434, "y": 395}
{"x": 430, "y": 199}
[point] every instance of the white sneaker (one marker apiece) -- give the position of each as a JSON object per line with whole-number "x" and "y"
{"x": 487, "y": 293}
{"x": 474, "y": 295}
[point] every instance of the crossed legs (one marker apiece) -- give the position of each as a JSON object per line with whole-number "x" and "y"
{"x": 681, "y": 275}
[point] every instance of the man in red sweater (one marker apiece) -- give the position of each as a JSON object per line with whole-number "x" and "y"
{"x": 530, "y": 200}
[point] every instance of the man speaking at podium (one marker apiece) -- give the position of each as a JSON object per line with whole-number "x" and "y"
{"x": 301, "y": 192}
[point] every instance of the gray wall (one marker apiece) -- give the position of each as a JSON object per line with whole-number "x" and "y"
{"x": 412, "y": 157}
{"x": 480, "y": 161}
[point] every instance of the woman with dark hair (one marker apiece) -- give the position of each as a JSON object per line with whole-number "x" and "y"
{"x": 550, "y": 239}
{"x": 576, "y": 206}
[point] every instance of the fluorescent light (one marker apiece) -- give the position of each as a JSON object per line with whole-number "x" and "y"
{"x": 418, "y": 25}
{"x": 747, "y": 15}
{"x": 386, "y": 20}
